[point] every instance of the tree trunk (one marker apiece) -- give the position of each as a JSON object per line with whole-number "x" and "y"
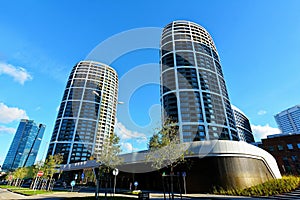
{"x": 171, "y": 176}
{"x": 49, "y": 183}
{"x": 106, "y": 177}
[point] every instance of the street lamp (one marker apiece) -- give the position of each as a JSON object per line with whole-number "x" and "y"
{"x": 96, "y": 93}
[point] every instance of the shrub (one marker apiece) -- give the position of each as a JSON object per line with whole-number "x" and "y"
{"x": 269, "y": 188}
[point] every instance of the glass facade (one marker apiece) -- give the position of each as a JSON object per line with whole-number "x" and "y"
{"x": 288, "y": 120}
{"x": 87, "y": 112}
{"x": 25, "y": 145}
{"x": 193, "y": 90}
{"x": 242, "y": 125}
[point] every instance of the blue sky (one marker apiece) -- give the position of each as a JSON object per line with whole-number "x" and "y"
{"x": 258, "y": 43}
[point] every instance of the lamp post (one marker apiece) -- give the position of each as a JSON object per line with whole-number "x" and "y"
{"x": 115, "y": 173}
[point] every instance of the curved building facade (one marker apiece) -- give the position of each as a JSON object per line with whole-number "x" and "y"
{"x": 242, "y": 125}
{"x": 87, "y": 112}
{"x": 193, "y": 89}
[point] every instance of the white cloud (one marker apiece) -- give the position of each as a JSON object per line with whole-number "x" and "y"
{"x": 18, "y": 73}
{"x": 4, "y": 129}
{"x": 125, "y": 134}
{"x": 260, "y": 131}
{"x": 127, "y": 147}
{"x": 262, "y": 112}
{"x": 10, "y": 114}
{"x": 1, "y": 160}
{"x": 57, "y": 108}
{"x": 38, "y": 108}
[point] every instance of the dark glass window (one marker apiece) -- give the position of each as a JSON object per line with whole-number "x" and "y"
{"x": 166, "y": 39}
{"x": 190, "y": 106}
{"x": 219, "y": 69}
{"x": 202, "y": 48}
{"x": 85, "y": 131}
{"x": 79, "y": 75}
{"x": 230, "y": 115}
{"x": 64, "y": 150}
{"x": 205, "y": 62}
{"x": 67, "y": 130}
{"x": 185, "y": 59}
{"x": 193, "y": 133}
{"x": 215, "y": 55}
{"x": 167, "y": 61}
{"x": 65, "y": 94}
{"x": 208, "y": 81}
{"x": 290, "y": 146}
{"x": 80, "y": 152}
{"x": 89, "y": 110}
{"x": 271, "y": 148}
{"x": 214, "y": 111}
{"x": 223, "y": 88}
{"x": 89, "y": 95}
{"x": 61, "y": 109}
{"x": 75, "y": 94}
{"x": 92, "y": 84}
{"x": 182, "y": 37}
{"x": 167, "y": 48}
{"x": 168, "y": 79}
{"x": 187, "y": 78}
{"x": 170, "y": 106}
{"x": 78, "y": 82}
{"x": 71, "y": 109}
{"x": 183, "y": 45}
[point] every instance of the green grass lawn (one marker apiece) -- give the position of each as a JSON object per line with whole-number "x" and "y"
{"x": 25, "y": 191}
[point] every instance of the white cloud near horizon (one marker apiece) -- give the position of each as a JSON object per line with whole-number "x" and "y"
{"x": 10, "y": 114}
{"x": 126, "y": 134}
{"x": 4, "y": 129}
{"x": 260, "y": 132}
{"x": 262, "y": 112}
{"x": 19, "y": 74}
{"x": 126, "y": 147}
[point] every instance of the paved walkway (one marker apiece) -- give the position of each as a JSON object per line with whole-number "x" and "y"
{"x": 4, "y": 194}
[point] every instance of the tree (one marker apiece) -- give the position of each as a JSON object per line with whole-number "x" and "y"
{"x": 19, "y": 174}
{"x": 50, "y": 167}
{"x": 109, "y": 158}
{"x": 164, "y": 146}
{"x": 38, "y": 166}
{"x": 165, "y": 149}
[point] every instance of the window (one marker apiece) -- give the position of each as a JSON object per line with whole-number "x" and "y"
{"x": 271, "y": 148}
{"x": 280, "y": 147}
{"x": 294, "y": 158}
{"x": 289, "y": 146}
{"x": 298, "y": 145}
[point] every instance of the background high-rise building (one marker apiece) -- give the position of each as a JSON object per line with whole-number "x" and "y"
{"x": 288, "y": 120}
{"x": 25, "y": 145}
{"x": 193, "y": 89}
{"x": 242, "y": 125}
{"x": 87, "y": 112}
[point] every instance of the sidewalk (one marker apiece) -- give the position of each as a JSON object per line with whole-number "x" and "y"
{"x": 64, "y": 195}
{"x": 157, "y": 196}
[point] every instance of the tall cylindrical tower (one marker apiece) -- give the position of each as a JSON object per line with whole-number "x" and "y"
{"x": 87, "y": 112}
{"x": 242, "y": 125}
{"x": 193, "y": 89}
